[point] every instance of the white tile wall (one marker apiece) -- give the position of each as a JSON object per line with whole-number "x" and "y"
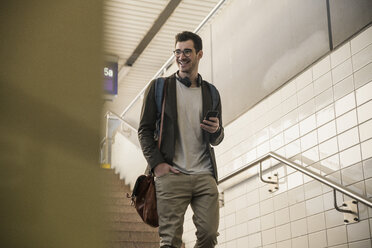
{"x": 367, "y": 149}
{"x": 361, "y": 244}
{"x": 358, "y": 232}
{"x": 267, "y": 221}
{"x": 340, "y": 55}
{"x": 361, "y": 41}
{"x": 254, "y": 240}
{"x": 306, "y": 109}
{"x": 254, "y": 226}
{"x": 365, "y": 112}
{"x": 322, "y": 67}
{"x": 362, "y": 58}
{"x": 330, "y": 165}
{"x": 328, "y": 148}
{"x": 282, "y": 216}
{"x": 297, "y": 211}
{"x": 364, "y": 94}
{"x": 327, "y": 131}
{"x": 300, "y": 242}
{"x": 283, "y": 232}
{"x": 304, "y": 79}
{"x": 284, "y": 244}
{"x": 350, "y": 156}
{"x": 367, "y": 168}
{"x": 337, "y": 235}
{"x": 323, "y": 83}
{"x": 314, "y": 206}
{"x": 268, "y": 236}
{"x": 342, "y": 71}
{"x": 299, "y": 227}
{"x": 351, "y": 174}
{"x": 318, "y": 239}
{"x": 325, "y": 115}
{"x": 323, "y": 99}
{"x": 348, "y": 138}
{"x": 343, "y": 87}
{"x": 316, "y": 223}
{"x": 321, "y": 119}
{"x": 363, "y": 76}
{"x": 345, "y": 104}
{"x": 313, "y": 189}
{"x": 305, "y": 94}
{"x": 347, "y": 121}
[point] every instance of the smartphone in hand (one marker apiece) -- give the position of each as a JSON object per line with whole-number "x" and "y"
{"x": 211, "y": 114}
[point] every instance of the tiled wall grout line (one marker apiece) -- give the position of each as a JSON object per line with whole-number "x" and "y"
{"x": 357, "y": 118}
{"x": 334, "y": 118}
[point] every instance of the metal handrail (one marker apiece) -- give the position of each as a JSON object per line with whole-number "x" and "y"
{"x": 304, "y": 170}
{"x": 104, "y": 140}
{"x": 122, "y": 120}
{"x": 108, "y": 113}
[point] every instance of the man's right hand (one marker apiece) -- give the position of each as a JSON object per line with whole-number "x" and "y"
{"x": 163, "y": 169}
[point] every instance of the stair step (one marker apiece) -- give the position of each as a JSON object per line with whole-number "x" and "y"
{"x": 131, "y": 226}
{"x": 114, "y": 181}
{"x": 133, "y": 236}
{"x": 125, "y": 209}
{"x": 126, "y": 244}
{"x": 123, "y": 217}
{"x": 117, "y": 194}
{"x": 116, "y": 186}
{"x": 123, "y": 225}
{"x": 117, "y": 201}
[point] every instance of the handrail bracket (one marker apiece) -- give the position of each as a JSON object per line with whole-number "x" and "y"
{"x": 348, "y": 208}
{"x": 273, "y": 180}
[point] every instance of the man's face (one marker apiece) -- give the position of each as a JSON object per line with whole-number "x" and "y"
{"x": 189, "y": 62}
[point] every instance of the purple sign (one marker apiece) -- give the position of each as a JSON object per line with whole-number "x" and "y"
{"x": 110, "y": 74}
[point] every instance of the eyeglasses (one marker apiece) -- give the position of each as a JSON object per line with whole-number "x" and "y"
{"x": 186, "y": 52}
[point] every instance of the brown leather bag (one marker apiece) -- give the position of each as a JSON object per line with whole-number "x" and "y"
{"x": 144, "y": 192}
{"x": 144, "y": 199}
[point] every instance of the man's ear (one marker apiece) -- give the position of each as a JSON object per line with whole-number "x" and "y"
{"x": 200, "y": 54}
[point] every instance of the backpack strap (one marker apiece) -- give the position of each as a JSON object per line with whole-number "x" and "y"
{"x": 159, "y": 86}
{"x": 159, "y": 92}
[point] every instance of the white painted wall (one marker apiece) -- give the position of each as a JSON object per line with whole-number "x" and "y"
{"x": 127, "y": 159}
{"x": 322, "y": 119}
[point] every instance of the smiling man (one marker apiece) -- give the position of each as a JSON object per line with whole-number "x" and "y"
{"x": 184, "y": 166}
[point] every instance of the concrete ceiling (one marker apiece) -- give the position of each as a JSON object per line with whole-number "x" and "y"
{"x": 140, "y": 34}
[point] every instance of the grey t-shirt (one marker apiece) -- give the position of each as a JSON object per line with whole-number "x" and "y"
{"x": 191, "y": 156}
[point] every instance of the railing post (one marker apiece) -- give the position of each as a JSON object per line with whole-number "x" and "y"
{"x": 273, "y": 180}
{"x": 349, "y": 209}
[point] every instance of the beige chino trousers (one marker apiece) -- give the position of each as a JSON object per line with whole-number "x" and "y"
{"x": 174, "y": 192}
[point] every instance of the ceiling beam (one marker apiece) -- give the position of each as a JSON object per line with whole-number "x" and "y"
{"x": 163, "y": 17}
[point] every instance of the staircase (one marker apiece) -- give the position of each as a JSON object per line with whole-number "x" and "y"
{"x": 126, "y": 229}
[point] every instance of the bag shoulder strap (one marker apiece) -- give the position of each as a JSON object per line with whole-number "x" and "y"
{"x": 162, "y": 114}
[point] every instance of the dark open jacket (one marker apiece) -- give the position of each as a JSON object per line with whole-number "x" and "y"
{"x": 148, "y": 119}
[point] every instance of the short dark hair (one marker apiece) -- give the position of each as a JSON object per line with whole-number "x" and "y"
{"x": 186, "y": 35}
